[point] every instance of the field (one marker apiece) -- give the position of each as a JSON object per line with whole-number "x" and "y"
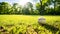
{"x": 28, "y": 24}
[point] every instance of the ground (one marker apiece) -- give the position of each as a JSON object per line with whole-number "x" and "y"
{"x": 21, "y": 24}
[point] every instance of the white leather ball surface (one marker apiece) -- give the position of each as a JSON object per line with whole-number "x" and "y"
{"x": 41, "y": 20}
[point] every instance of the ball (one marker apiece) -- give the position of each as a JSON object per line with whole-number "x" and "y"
{"x": 41, "y": 20}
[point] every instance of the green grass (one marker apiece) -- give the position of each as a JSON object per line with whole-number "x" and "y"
{"x": 18, "y": 24}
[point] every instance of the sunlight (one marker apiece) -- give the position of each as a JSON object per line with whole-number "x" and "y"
{"x": 23, "y": 2}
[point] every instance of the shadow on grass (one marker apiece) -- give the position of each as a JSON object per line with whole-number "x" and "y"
{"x": 50, "y": 27}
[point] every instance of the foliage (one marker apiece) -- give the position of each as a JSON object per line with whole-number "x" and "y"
{"x": 43, "y": 7}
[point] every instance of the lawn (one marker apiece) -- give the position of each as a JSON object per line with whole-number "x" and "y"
{"x": 23, "y": 24}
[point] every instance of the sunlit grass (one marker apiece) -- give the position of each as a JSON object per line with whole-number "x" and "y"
{"x": 19, "y": 23}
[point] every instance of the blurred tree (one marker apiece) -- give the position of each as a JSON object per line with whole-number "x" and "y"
{"x": 56, "y": 5}
{"x": 5, "y": 8}
{"x": 41, "y": 6}
{"x": 38, "y": 7}
{"x": 28, "y": 8}
{"x": 25, "y": 10}
{"x": 15, "y": 8}
{"x": 29, "y": 5}
{"x": 36, "y": 12}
